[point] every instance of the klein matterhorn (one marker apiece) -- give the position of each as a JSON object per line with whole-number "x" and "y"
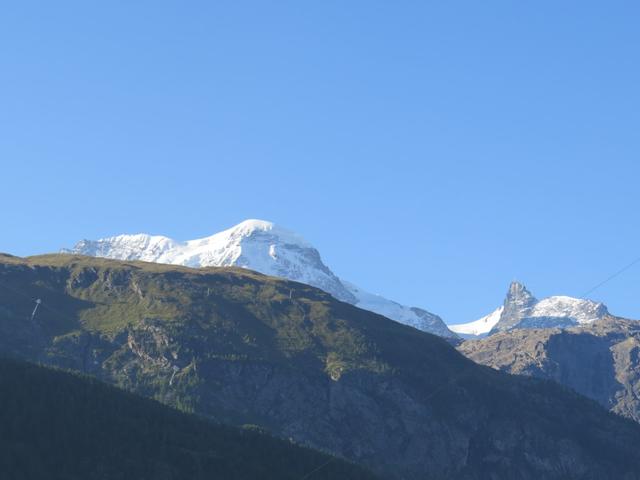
{"x": 266, "y": 248}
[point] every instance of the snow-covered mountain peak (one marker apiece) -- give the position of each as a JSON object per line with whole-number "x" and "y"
{"x": 252, "y": 224}
{"x": 264, "y": 247}
{"x": 254, "y": 228}
{"x": 254, "y": 244}
{"x": 522, "y": 310}
{"x": 581, "y": 310}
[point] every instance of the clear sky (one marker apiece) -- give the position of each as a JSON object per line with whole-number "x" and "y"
{"x": 432, "y": 151}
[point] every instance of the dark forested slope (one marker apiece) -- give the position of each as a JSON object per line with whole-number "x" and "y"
{"x": 59, "y": 426}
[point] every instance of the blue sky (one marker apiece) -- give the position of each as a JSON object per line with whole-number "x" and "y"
{"x": 432, "y": 151}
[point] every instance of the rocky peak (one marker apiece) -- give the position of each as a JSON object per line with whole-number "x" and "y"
{"x": 522, "y": 310}
{"x": 518, "y": 296}
{"x": 516, "y": 305}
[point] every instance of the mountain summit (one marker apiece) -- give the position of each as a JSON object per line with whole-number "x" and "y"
{"x": 266, "y": 248}
{"x": 522, "y": 310}
{"x": 516, "y": 304}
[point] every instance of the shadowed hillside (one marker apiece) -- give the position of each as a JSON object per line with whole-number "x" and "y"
{"x": 60, "y": 426}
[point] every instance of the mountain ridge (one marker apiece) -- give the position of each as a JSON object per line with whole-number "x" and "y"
{"x": 264, "y": 247}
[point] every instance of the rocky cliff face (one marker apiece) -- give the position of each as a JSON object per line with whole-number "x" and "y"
{"x": 241, "y": 348}
{"x": 600, "y": 360}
